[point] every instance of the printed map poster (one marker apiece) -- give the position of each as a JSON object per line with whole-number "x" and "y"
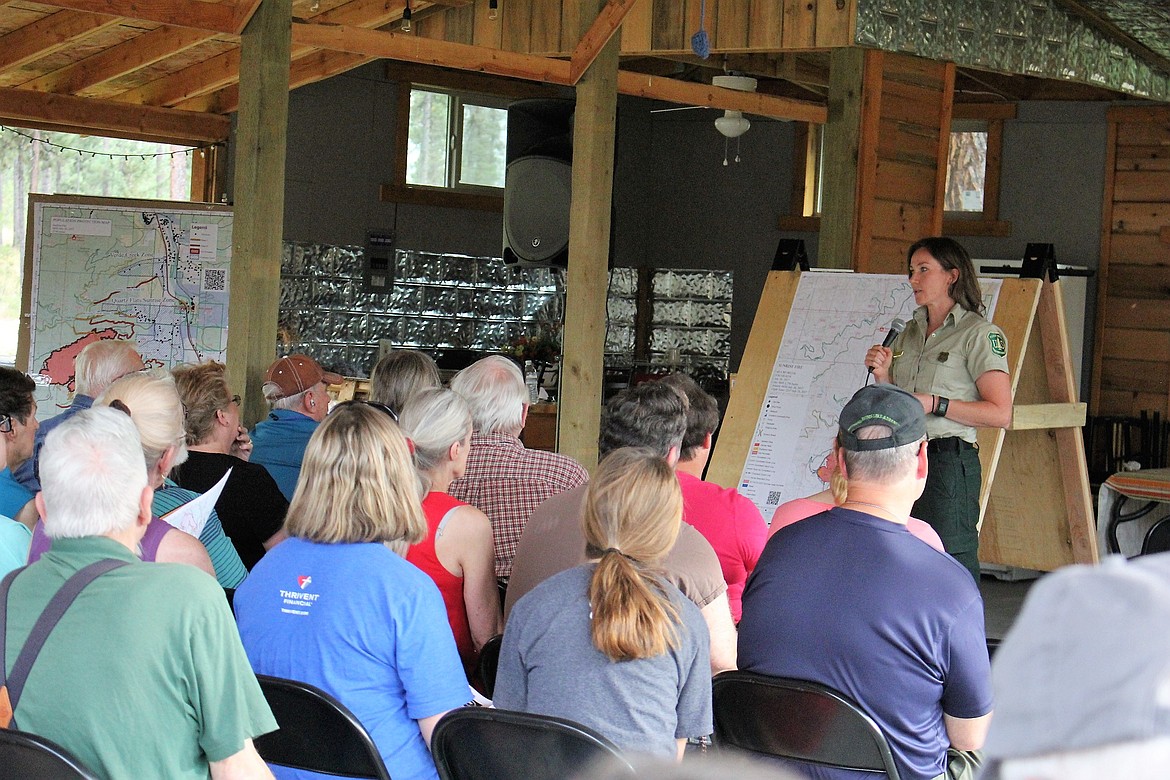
{"x": 835, "y": 318}
{"x": 154, "y": 272}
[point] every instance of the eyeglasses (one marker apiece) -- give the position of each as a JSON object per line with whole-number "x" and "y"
{"x": 5, "y": 423}
{"x": 376, "y": 404}
{"x": 236, "y": 400}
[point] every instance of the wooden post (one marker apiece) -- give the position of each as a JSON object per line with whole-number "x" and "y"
{"x": 851, "y": 111}
{"x": 589, "y": 224}
{"x": 261, "y": 130}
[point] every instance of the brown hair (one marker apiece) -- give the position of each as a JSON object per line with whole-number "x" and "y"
{"x": 633, "y": 508}
{"x": 702, "y": 412}
{"x": 951, "y": 255}
{"x": 204, "y": 390}
{"x": 399, "y": 375}
{"x": 357, "y": 483}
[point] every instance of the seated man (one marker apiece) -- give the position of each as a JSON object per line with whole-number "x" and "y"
{"x": 295, "y": 387}
{"x": 504, "y": 479}
{"x": 18, "y": 426}
{"x": 1081, "y": 679}
{"x": 729, "y": 521}
{"x": 97, "y": 366}
{"x": 851, "y": 600}
{"x": 650, "y": 415}
{"x": 144, "y": 674}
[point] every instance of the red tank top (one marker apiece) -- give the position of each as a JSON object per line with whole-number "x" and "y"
{"x": 436, "y": 506}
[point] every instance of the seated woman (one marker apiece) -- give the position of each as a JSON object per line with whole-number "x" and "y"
{"x": 610, "y": 644}
{"x": 251, "y": 505}
{"x": 335, "y": 607}
{"x": 457, "y": 553}
{"x": 834, "y": 495}
{"x": 399, "y": 375}
{"x": 153, "y": 405}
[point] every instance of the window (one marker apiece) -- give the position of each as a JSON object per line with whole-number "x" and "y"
{"x": 966, "y": 167}
{"x": 455, "y": 141}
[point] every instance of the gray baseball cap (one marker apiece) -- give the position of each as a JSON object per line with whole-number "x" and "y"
{"x": 1086, "y": 664}
{"x": 881, "y": 405}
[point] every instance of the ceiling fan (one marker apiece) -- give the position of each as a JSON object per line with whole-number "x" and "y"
{"x": 733, "y": 123}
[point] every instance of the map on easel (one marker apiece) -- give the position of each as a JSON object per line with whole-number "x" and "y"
{"x": 154, "y": 272}
{"x": 834, "y": 319}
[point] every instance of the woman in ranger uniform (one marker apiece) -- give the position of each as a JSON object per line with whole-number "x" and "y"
{"x": 955, "y": 363}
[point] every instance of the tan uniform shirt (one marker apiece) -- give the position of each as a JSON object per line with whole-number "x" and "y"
{"x": 948, "y": 362}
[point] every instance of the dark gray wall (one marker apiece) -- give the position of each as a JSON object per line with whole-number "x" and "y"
{"x": 675, "y": 203}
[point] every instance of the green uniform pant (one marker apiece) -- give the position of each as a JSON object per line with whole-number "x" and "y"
{"x": 950, "y": 503}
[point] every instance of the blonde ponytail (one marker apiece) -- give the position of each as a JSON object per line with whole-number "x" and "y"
{"x": 633, "y": 508}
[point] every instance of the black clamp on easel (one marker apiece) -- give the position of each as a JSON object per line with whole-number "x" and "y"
{"x": 790, "y": 255}
{"x": 1039, "y": 262}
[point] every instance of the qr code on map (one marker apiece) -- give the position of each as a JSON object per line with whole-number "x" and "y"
{"x": 214, "y": 279}
{"x": 773, "y": 498}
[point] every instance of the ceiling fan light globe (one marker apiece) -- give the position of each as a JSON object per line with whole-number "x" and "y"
{"x": 732, "y": 124}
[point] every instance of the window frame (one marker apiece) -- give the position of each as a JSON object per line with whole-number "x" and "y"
{"x": 986, "y": 222}
{"x": 455, "y": 119}
{"x": 408, "y": 75}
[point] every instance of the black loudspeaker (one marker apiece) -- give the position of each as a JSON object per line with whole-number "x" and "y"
{"x": 538, "y": 182}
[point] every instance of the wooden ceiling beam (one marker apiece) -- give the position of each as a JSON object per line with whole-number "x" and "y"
{"x": 689, "y": 93}
{"x": 245, "y": 10}
{"x": 126, "y": 57}
{"x": 193, "y": 85}
{"x": 198, "y": 79}
{"x": 48, "y": 35}
{"x": 214, "y": 17}
{"x": 427, "y": 51}
{"x": 598, "y": 34}
{"x": 143, "y": 122}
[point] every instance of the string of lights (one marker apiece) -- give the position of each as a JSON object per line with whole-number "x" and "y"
{"x": 110, "y": 155}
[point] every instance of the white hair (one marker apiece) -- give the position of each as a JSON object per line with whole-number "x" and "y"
{"x": 92, "y": 475}
{"x": 495, "y": 392}
{"x": 101, "y": 362}
{"x": 880, "y": 466}
{"x": 153, "y": 404}
{"x": 434, "y": 420}
{"x": 277, "y": 399}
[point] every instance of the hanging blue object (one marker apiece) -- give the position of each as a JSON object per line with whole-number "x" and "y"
{"x": 700, "y": 43}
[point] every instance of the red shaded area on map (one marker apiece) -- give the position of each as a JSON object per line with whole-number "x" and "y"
{"x": 59, "y": 364}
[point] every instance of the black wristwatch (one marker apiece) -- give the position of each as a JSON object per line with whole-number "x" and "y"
{"x": 940, "y": 409}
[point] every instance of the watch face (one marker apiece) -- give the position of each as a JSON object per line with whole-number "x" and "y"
{"x": 944, "y": 357}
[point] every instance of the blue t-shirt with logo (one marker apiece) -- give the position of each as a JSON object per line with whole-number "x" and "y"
{"x": 364, "y": 625}
{"x": 857, "y": 603}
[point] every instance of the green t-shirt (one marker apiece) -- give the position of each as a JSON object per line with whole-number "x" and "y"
{"x": 948, "y": 362}
{"x": 145, "y": 675}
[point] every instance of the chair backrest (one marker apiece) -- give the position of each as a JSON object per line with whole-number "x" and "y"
{"x": 317, "y": 732}
{"x": 489, "y": 659}
{"x": 1157, "y": 538}
{"x": 799, "y": 720}
{"x": 27, "y": 755}
{"x": 480, "y": 743}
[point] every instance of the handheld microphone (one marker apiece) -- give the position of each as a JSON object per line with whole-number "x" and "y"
{"x": 896, "y": 327}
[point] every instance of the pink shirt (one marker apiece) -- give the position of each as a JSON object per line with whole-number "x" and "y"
{"x": 733, "y": 527}
{"x": 799, "y": 508}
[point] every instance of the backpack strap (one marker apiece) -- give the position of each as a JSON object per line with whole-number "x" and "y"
{"x": 45, "y": 624}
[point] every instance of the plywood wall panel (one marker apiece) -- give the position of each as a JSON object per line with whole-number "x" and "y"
{"x": 545, "y": 35}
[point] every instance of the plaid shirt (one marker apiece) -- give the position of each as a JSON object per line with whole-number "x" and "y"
{"x": 506, "y": 481}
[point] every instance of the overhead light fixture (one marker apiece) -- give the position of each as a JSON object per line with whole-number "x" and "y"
{"x": 732, "y": 124}
{"x": 406, "y": 17}
{"x": 493, "y": 9}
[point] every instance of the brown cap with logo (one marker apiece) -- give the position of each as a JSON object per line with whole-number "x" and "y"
{"x": 295, "y": 374}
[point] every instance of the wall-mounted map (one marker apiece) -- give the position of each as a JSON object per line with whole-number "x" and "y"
{"x": 154, "y": 272}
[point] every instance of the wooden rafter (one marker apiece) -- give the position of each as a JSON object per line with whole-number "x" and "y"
{"x": 389, "y": 45}
{"x": 206, "y": 84}
{"x": 214, "y": 17}
{"x": 128, "y": 56}
{"x": 144, "y": 122}
{"x": 198, "y": 79}
{"x": 597, "y": 36}
{"x": 245, "y": 10}
{"x": 48, "y": 35}
{"x": 410, "y": 48}
{"x": 674, "y": 91}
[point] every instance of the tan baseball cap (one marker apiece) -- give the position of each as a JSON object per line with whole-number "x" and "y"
{"x": 297, "y": 373}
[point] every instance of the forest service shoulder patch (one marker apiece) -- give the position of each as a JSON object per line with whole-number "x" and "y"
{"x": 998, "y": 343}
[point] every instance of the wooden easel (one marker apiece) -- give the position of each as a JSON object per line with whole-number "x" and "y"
{"x": 1036, "y": 509}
